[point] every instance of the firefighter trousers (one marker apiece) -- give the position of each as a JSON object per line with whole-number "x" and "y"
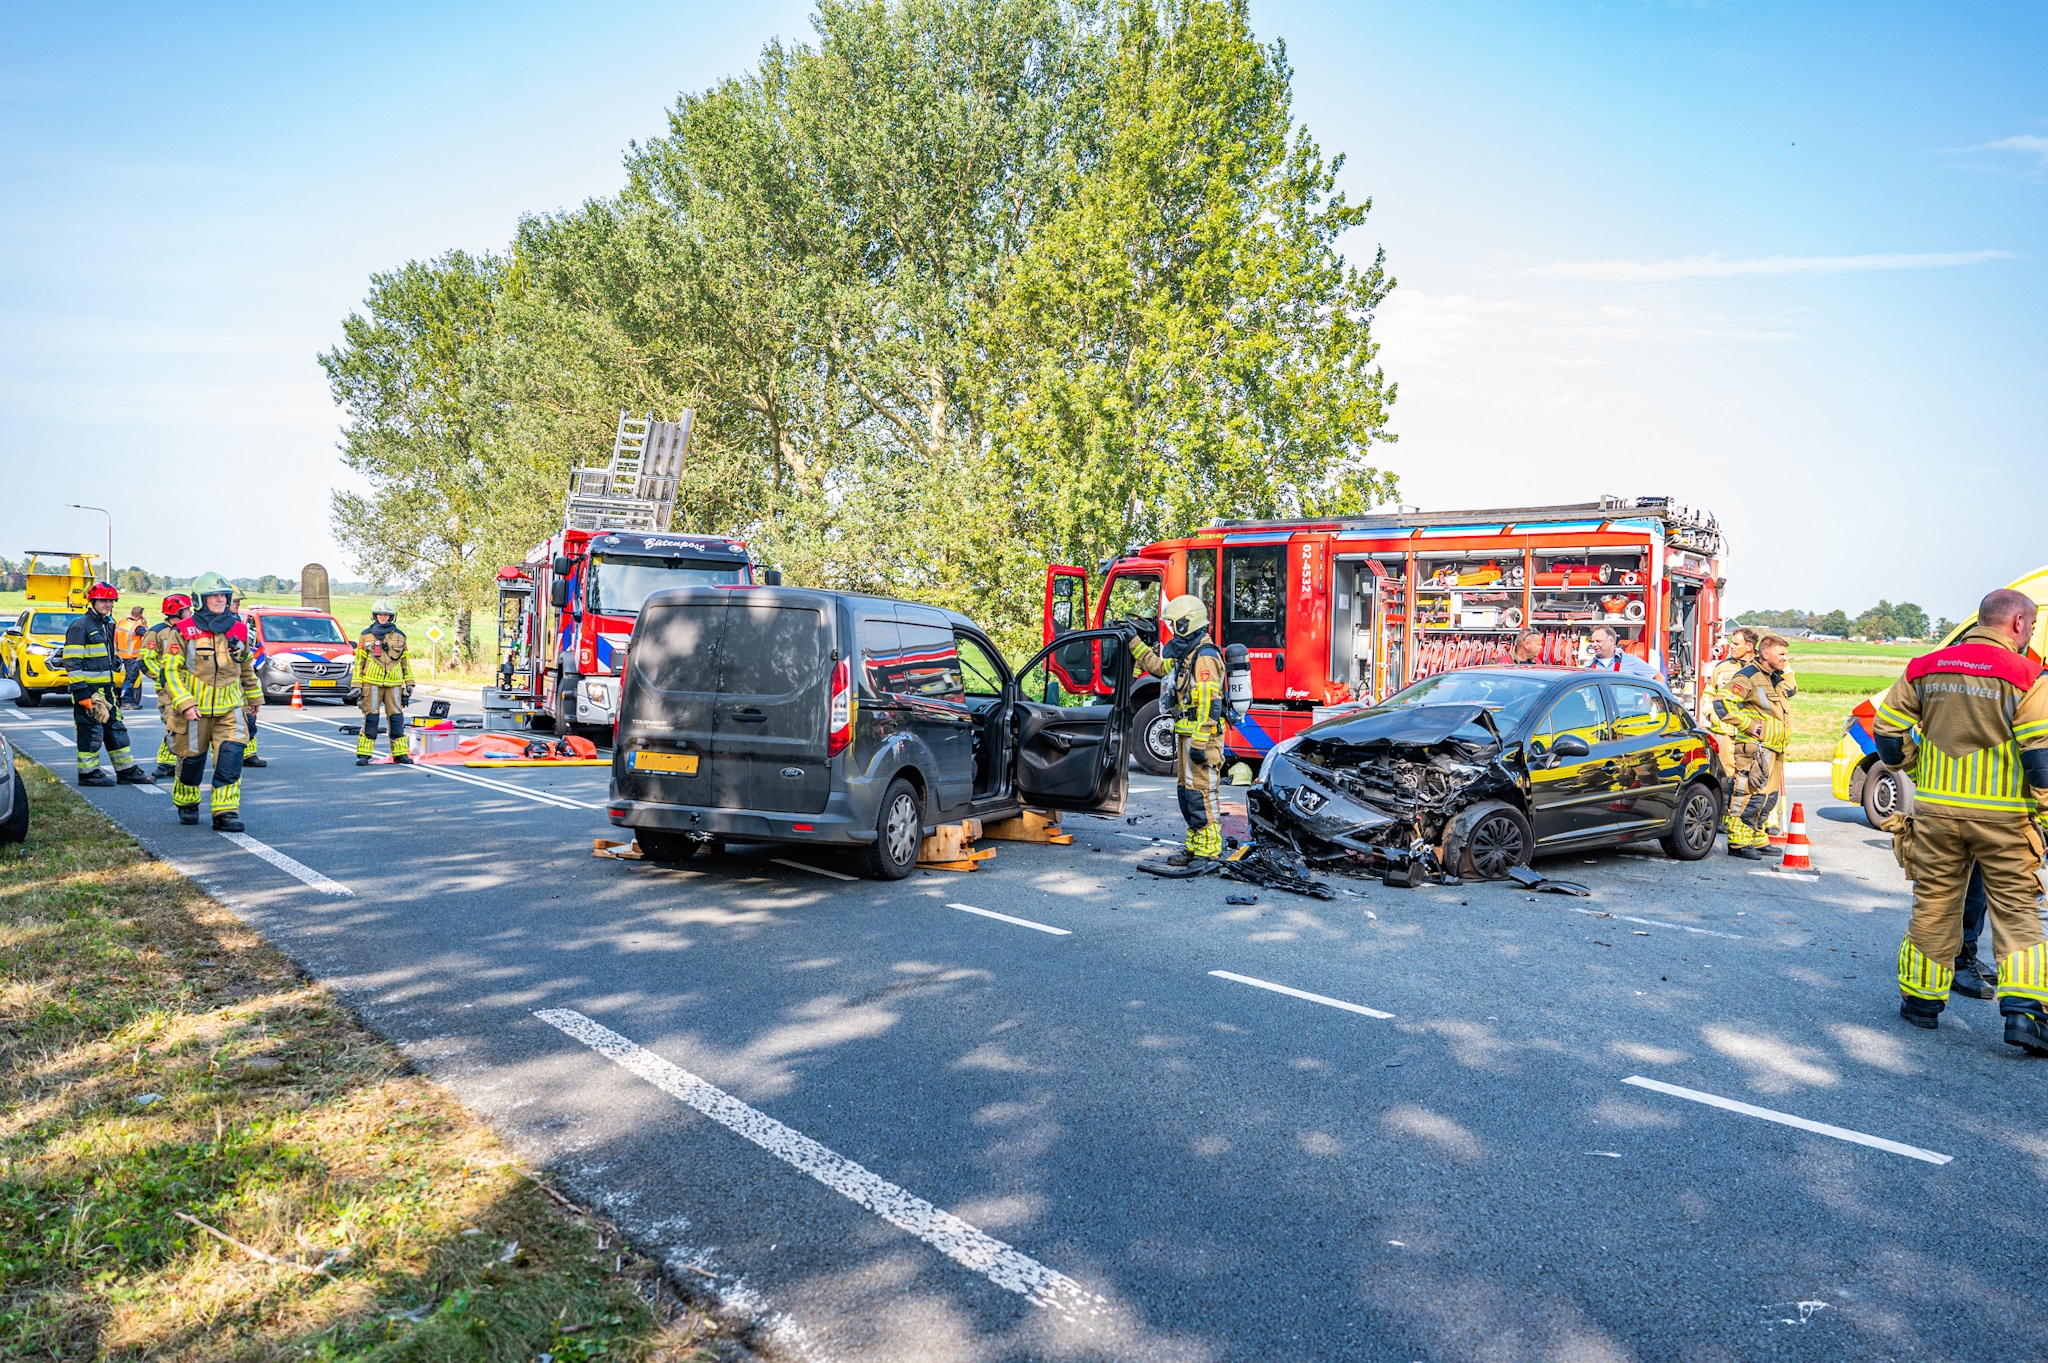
{"x": 166, "y": 755}
{"x": 192, "y": 741}
{"x": 1759, "y": 774}
{"x": 2009, "y": 854}
{"x": 1200, "y": 775}
{"x": 387, "y": 702}
{"x": 95, "y": 733}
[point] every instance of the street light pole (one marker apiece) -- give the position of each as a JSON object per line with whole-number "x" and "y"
{"x": 76, "y": 506}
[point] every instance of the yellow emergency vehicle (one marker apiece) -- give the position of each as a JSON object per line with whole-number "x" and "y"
{"x": 32, "y": 644}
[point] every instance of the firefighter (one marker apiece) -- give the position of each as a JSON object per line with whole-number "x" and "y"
{"x": 1719, "y": 712}
{"x": 249, "y": 757}
{"x": 93, "y": 663}
{"x": 1196, "y": 697}
{"x": 1755, "y": 710}
{"x": 158, "y": 645}
{"x": 1977, "y": 713}
{"x": 211, "y": 677}
{"x": 383, "y": 672}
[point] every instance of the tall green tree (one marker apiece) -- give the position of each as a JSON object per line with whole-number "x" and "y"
{"x": 420, "y": 427}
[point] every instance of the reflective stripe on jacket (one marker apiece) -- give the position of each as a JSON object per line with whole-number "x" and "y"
{"x": 216, "y": 672}
{"x": 128, "y": 638}
{"x": 89, "y": 657}
{"x": 381, "y": 658}
{"x": 1756, "y": 709}
{"x": 1976, "y": 706}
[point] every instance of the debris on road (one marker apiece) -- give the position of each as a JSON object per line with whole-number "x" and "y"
{"x": 1536, "y": 880}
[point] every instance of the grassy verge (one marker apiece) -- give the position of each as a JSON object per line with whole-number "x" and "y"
{"x": 160, "y": 1061}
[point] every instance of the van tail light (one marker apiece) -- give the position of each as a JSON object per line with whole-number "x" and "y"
{"x": 842, "y": 709}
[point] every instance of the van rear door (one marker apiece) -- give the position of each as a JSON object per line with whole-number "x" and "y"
{"x": 730, "y": 710}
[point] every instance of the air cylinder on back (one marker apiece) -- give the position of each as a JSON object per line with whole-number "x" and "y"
{"x": 1237, "y": 668}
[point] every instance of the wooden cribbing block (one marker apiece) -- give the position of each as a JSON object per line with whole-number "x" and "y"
{"x": 967, "y": 861}
{"x": 621, "y": 851}
{"x": 1031, "y": 825}
{"x": 950, "y": 842}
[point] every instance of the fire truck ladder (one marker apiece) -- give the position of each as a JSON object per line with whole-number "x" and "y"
{"x": 637, "y": 489}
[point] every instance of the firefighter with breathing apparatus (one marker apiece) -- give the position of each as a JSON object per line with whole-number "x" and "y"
{"x": 94, "y": 665}
{"x": 1196, "y": 694}
{"x": 383, "y": 672}
{"x": 158, "y": 646}
{"x": 212, "y": 683}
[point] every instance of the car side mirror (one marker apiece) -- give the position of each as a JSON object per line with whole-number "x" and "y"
{"x": 1570, "y": 745}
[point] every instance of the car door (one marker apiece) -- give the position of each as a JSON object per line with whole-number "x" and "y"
{"x": 1070, "y": 717}
{"x": 1569, "y": 796}
{"x": 926, "y": 682}
{"x": 1647, "y": 752}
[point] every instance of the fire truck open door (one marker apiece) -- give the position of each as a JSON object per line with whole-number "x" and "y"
{"x": 1355, "y": 620}
{"x": 1066, "y": 600}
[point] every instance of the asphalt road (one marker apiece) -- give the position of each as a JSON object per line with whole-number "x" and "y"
{"x": 887, "y": 1127}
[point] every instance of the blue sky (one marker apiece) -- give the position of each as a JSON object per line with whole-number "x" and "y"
{"x": 1784, "y": 262}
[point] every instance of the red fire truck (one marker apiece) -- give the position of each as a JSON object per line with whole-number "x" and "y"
{"x": 565, "y": 614}
{"x": 1355, "y": 608}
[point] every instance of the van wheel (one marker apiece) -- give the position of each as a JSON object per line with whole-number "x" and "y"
{"x": 664, "y": 846}
{"x": 1885, "y": 793}
{"x": 29, "y": 700}
{"x": 1152, "y": 739}
{"x": 1696, "y": 825}
{"x": 899, "y": 829}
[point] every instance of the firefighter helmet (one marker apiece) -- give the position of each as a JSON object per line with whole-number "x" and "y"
{"x": 176, "y": 602}
{"x": 211, "y": 584}
{"x": 102, "y": 591}
{"x": 1186, "y": 614}
{"x": 383, "y": 605}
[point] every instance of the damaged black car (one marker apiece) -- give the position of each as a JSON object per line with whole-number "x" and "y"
{"x": 1467, "y": 773}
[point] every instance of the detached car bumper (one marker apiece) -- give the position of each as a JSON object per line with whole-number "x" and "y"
{"x": 837, "y": 825}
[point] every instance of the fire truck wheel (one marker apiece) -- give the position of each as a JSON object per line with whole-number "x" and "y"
{"x": 661, "y": 845}
{"x": 1152, "y": 740}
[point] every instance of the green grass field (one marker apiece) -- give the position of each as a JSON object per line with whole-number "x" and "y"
{"x": 1833, "y": 679}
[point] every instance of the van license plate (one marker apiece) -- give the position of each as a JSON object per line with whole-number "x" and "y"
{"x": 682, "y": 763}
{"x": 323, "y": 681}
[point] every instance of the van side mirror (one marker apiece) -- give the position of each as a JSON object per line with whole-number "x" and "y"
{"x": 561, "y": 565}
{"x": 558, "y": 593}
{"x": 771, "y": 577}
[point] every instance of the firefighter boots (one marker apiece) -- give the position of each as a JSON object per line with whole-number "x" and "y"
{"x": 2028, "y": 1032}
{"x": 227, "y": 821}
{"x": 1974, "y": 979}
{"x": 1924, "y": 1012}
{"x": 96, "y": 777}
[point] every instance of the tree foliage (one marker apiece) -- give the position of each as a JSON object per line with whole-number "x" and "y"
{"x": 959, "y": 287}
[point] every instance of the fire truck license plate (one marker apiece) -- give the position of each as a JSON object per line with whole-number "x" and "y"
{"x": 683, "y": 763}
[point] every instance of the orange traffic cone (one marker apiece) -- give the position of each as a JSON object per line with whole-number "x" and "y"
{"x": 298, "y": 701}
{"x": 1796, "y": 845}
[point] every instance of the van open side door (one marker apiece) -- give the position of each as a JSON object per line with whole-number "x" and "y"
{"x": 1071, "y": 712}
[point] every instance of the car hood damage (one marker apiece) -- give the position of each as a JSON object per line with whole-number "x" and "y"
{"x": 1386, "y": 790}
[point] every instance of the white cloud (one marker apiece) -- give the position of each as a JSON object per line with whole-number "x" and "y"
{"x": 2026, "y": 143}
{"x": 1716, "y": 266}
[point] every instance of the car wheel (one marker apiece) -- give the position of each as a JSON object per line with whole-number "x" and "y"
{"x": 1885, "y": 793}
{"x": 661, "y": 845}
{"x": 16, "y": 827}
{"x": 29, "y": 700}
{"x": 1492, "y": 837}
{"x": 1152, "y": 739}
{"x": 1696, "y": 824}
{"x": 899, "y": 829}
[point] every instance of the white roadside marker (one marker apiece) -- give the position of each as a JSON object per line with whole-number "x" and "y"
{"x": 290, "y": 867}
{"x": 1840, "y": 1133}
{"x": 1020, "y": 922}
{"x": 149, "y": 789}
{"x": 966, "y": 1245}
{"x": 814, "y": 870}
{"x": 1659, "y": 923}
{"x": 1301, "y": 994}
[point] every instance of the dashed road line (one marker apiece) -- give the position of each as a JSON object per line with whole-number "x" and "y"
{"x": 1840, "y": 1133}
{"x": 1323, "y": 999}
{"x": 58, "y": 736}
{"x": 966, "y": 1245}
{"x": 290, "y": 867}
{"x": 814, "y": 870}
{"x": 1020, "y": 922}
{"x": 1660, "y": 923}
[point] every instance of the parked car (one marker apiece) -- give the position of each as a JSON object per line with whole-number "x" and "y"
{"x": 13, "y": 794}
{"x": 782, "y": 715}
{"x": 32, "y": 653}
{"x": 299, "y": 646}
{"x": 1470, "y": 772}
{"x": 1857, "y": 777}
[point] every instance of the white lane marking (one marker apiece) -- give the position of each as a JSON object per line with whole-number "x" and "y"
{"x": 1840, "y": 1133}
{"x": 1660, "y": 923}
{"x": 290, "y": 867}
{"x": 1134, "y": 837}
{"x": 814, "y": 870}
{"x": 1301, "y": 994}
{"x": 966, "y": 1245}
{"x": 58, "y": 736}
{"x": 1786, "y": 875}
{"x": 1020, "y": 922}
{"x": 149, "y": 789}
{"x": 467, "y": 778}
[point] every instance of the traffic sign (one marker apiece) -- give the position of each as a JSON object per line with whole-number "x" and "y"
{"x": 434, "y": 634}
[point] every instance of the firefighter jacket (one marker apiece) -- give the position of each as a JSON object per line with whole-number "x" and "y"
{"x": 1197, "y": 695}
{"x": 1720, "y": 703}
{"x": 212, "y": 666}
{"x": 1754, "y": 708}
{"x": 381, "y": 658}
{"x": 158, "y": 645}
{"x": 1977, "y": 706}
{"x": 89, "y": 655}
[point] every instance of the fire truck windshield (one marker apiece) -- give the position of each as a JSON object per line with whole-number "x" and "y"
{"x": 621, "y": 583}
{"x": 1508, "y": 695}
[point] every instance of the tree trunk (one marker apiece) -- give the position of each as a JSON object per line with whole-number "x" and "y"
{"x": 465, "y": 646}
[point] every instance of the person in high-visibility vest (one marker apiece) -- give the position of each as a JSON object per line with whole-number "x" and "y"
{"x": 1197, "y": 695}
{"x": 383, "y": 672}
{"x": 249, "y": 757}
{"x": 1971, "y": 721}
{"x": 128, "y": 648}
{"x": 212, "y": 681}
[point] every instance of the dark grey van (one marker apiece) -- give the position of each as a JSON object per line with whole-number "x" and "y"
{"x": 778, "y": 714}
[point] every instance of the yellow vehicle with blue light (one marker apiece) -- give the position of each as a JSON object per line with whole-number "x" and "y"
{"x": 32, "y": 644}
{"x": 1857, "y": 777}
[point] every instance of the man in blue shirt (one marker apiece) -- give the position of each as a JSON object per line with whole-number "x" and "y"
{"x": 1608, "y": 657}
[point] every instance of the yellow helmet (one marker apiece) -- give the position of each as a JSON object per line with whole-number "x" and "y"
{"x": 1186, "y": 614}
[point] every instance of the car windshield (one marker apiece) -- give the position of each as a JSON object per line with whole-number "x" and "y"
{"x": 1507, "y": 695}
{"x": 53, "y": 622}
{"x": 301, "y": 629}
{"x": 621, "y": 583}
